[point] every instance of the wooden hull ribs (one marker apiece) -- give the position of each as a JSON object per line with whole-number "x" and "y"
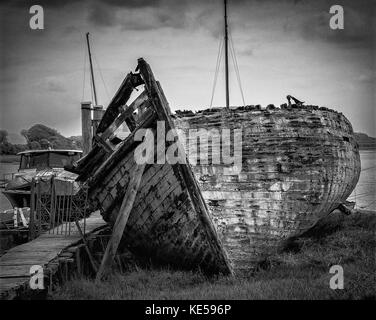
{"x": 169, "y": 222}
{"x": 296, "y": 166}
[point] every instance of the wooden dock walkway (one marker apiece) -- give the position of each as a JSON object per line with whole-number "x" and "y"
{"x": 16, "y": 263}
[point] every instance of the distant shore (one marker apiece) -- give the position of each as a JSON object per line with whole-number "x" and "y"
{"x": 367, "y": 149}
{"x": 9, "y": 158}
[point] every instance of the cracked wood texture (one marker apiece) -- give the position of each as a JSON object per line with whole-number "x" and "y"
{"x": 169, "y": 222}
{"x": 298, "y": 165}
{"x": 163, "y": 226}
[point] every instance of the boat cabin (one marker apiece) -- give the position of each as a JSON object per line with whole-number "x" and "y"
{"x": 42, "y": 159}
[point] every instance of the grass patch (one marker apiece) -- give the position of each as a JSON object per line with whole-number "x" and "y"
{"x": 300, "y": 271}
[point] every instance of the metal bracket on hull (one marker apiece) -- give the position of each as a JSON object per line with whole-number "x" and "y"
{"x": 297, "y": 102}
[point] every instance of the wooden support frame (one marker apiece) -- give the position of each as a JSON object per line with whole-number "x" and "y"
{"x": 92, "y": 261}
{"x": 121, "y": 221}
{"x": 121, "y": 97}
{"x": 125, "y": 114}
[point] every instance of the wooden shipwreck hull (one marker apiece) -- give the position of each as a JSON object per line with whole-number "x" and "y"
{"x": 169, "y": 222}
{"x": 297, "y": 165}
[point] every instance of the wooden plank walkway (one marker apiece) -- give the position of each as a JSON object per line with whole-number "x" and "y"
{"x": 16, "y": 263}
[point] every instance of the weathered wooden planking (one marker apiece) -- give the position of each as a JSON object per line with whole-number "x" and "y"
{"x": 121, "y": 221}
{"x": 16, "y": 271}
{"x": 169, "y": 222}
{"x": 297, "y": 165}
{"x": 35, "y": 258}
{"x": 16, "y": 263}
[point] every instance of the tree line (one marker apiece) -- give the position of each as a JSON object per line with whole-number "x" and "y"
{"x": 39, "y": 137}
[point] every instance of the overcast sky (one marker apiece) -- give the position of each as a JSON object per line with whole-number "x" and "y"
{"x": 283, "y": 47}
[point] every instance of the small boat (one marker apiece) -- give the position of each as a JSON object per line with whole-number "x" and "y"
{"x": 45, "y": 164}
{"x": 38, "y": 164}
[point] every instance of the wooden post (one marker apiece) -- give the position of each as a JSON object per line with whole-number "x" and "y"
{"x": 39, "y": 206}
{"x": 121, "y": 220}
{"x": 23, "y": 219}
{"x": 32, "y": 211}
{"x": 15, "y": 217}
{"x": 52, "y": 208}
{"x": 86, "y": 246}
{"x": 87, "y": 133}
{"x": 97, "y": 117}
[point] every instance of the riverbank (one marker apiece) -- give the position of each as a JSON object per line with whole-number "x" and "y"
{"x": 9, "y": 158}
{"x": 300, "y": 271}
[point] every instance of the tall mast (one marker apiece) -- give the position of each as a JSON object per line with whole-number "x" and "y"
{"x": 91, "y": 69}
{"x": 226, "y": 58}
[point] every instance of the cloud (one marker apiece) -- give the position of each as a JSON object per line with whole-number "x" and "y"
{"x": 52, "y": 84}
{"x": 313, "y": 25}
{"x": 133, "y": 3}
{"x": 145, "y": 15}
{"x": 367, "y": 77}
{"x": 43, "y": 3}
{"x": 247, "y": 52}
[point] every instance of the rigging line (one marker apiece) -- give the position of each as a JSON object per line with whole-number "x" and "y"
{"x": 100, "y": 73}
{"x": 368, "y": 205}
{"x": 92, "y": 92}
{"x": 219, "y": 58}
{"x": 363, "y": 193}
{"x": 368, "y": 168}
{"x": 366, "y": 182}
{"x": 360, "y": 197}
{"x": 91, "y": 83}
{"x": 236, "y": 71}
{"x": 84, "y": 77}
{"x": 366, "y": 194}
{"x": 236, "y": 67}
{"x": 364, "y": 197}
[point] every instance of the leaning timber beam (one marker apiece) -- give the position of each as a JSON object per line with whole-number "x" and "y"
{"x": 128, "y": 111}
{"x": 127, "y": 146}
{"x": 121, "y": 221}
{"x": 131, "y": 81}
{"x": 114, "y": 117}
